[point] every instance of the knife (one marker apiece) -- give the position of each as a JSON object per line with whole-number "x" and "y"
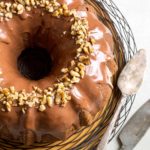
{"x": 136, "y": 127}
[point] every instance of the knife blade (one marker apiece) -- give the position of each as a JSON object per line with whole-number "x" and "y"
{"x": 135, "y": 128}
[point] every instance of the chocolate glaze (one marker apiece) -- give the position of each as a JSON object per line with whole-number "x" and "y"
{"x": 88, "y": 97}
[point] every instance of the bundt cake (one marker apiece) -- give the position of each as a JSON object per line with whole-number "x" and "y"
{"x": 56, "y": 66}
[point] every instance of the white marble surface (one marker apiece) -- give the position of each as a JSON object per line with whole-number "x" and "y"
{"x": 137, "y": 13}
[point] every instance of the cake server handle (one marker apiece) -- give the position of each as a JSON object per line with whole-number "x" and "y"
{"x": 103, "y": 143}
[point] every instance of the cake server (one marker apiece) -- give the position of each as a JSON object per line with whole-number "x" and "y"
{"x": 129, "y": 82}
{"x": 135, "y": 128}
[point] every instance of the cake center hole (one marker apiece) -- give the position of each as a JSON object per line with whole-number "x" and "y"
{"x": 34, "y": 63}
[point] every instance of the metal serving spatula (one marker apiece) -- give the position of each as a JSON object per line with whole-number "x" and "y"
{"x": 129, "y": 82}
